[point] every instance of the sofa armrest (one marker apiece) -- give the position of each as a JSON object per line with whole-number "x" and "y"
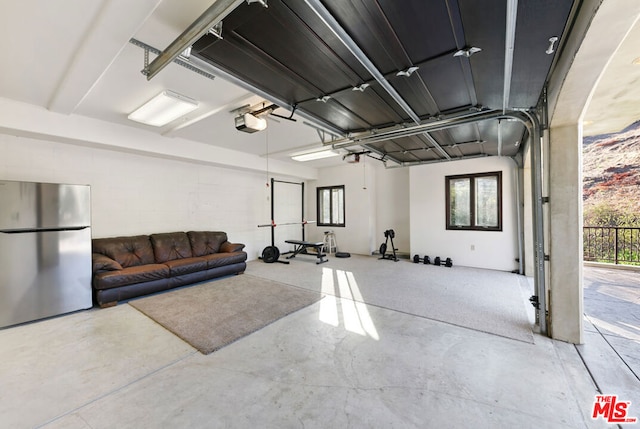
{"x": 227, "y": 247}
{"x": 101, "y": 262}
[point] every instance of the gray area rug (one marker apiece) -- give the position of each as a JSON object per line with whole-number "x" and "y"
{"x": 212, "y": 315}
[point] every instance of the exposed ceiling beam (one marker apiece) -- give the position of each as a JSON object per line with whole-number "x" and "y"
{"x": 108, "y": 35}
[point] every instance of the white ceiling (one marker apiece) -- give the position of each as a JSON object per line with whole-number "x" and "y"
{"x": 73, "y": 57}
{"x": 616, "y": 100}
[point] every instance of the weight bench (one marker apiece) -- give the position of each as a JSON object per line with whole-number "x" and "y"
{"x": 302, "y": 246}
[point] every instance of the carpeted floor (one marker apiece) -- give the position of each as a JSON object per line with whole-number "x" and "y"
{"x": 484, "y": 300}
{"x": 211, "y": 315}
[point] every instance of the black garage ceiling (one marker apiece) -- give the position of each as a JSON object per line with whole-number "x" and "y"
{"x": 371, "y": 69}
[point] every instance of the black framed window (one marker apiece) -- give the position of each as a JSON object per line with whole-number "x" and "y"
{"x": 474, "y": 201}
{"x": 330, "y": 204}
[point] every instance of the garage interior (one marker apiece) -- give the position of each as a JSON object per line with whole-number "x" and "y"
{"x": 402, "y": 85}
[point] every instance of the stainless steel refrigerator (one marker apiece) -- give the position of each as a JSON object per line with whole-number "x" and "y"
{"x": 45, "y": 250}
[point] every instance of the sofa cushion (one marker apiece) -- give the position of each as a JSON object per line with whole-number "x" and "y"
{"x": 220, "y": 259}
{"x": 170, "y": 246}
{"x": 127, "y": 251}
{"x": 227, "y": 247}
{"x": 130, "y": 275}
{"x": 102, "y": 262}
{"x": 206, "y": 242}
{"x": 179, "y": 267}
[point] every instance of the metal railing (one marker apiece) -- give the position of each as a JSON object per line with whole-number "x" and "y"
{"x": 612, "y": 244}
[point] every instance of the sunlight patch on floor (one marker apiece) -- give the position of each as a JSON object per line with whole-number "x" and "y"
{"x": 348, "y": 298}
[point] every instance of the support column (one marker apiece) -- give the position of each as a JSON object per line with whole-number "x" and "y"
{"x": 565, "y": 242}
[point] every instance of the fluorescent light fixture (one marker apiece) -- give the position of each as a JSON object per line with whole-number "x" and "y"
{"x": 163, "y": 108}
{"x": 311, "y": 156}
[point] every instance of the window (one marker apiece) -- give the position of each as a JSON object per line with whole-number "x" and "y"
{"x": 474, "y": 201}
{"x": 331, "y": 206}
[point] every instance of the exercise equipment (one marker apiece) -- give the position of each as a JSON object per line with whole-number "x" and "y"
{"x": 270, "y": 254}
{"x": 273, "y": 224}
{"x": 437, "y": 261}
{"x": 302, "y": 246}
{"x": 426, "y": 260}
{"x": 343, "y": 255}
{"x": 389, "y": 235}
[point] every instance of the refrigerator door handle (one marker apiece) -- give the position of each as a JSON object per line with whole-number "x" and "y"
{"x": 28, "y": 230}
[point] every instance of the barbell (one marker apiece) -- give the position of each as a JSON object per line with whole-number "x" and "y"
{"x": 273, "y": 224}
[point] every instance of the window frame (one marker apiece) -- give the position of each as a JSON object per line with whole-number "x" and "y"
{"x": 472, "y": 201}
{"x": 319, "y": 191}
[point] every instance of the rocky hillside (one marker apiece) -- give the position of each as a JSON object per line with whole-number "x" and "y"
{"x": 611, "y": 177}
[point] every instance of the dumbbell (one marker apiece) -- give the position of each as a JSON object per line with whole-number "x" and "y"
{"x": 425, "y": 260}
{"x": 447, "y": 263}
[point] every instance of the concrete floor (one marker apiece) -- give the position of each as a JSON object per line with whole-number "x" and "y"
{"x": 612, "y": 332}
{"x": 106, "y": 368}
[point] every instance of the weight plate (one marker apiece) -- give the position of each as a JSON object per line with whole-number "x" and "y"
{"x": 270, "y": 254}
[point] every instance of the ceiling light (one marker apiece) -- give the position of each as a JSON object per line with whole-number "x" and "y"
{"x": 324, "y": 99}
{"x": 636, "y": 61}
{"x": 163, "y": 108}
{"x": 310, "y": 156}
{"x": 467, "y": 52}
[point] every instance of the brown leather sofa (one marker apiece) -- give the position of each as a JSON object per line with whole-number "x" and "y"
{"x": 127, "y": 267}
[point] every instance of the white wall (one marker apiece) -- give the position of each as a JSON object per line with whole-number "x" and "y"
{"x": 136, "y": 194}
{"x": 493, "y": 249}
{"x": 392, "y": 206}
{"x": 384, "y": 204}
{"x": 358, "y": 234}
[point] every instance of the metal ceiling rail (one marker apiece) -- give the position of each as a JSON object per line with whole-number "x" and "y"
{"x": 425, "y": 127}
{"x": 212, "y": 16}
{"x": 329, "y": 20}
{"x": 195, "y": 65}
{"x": 431, "y": 161}
{"x": 510, "y": 40}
